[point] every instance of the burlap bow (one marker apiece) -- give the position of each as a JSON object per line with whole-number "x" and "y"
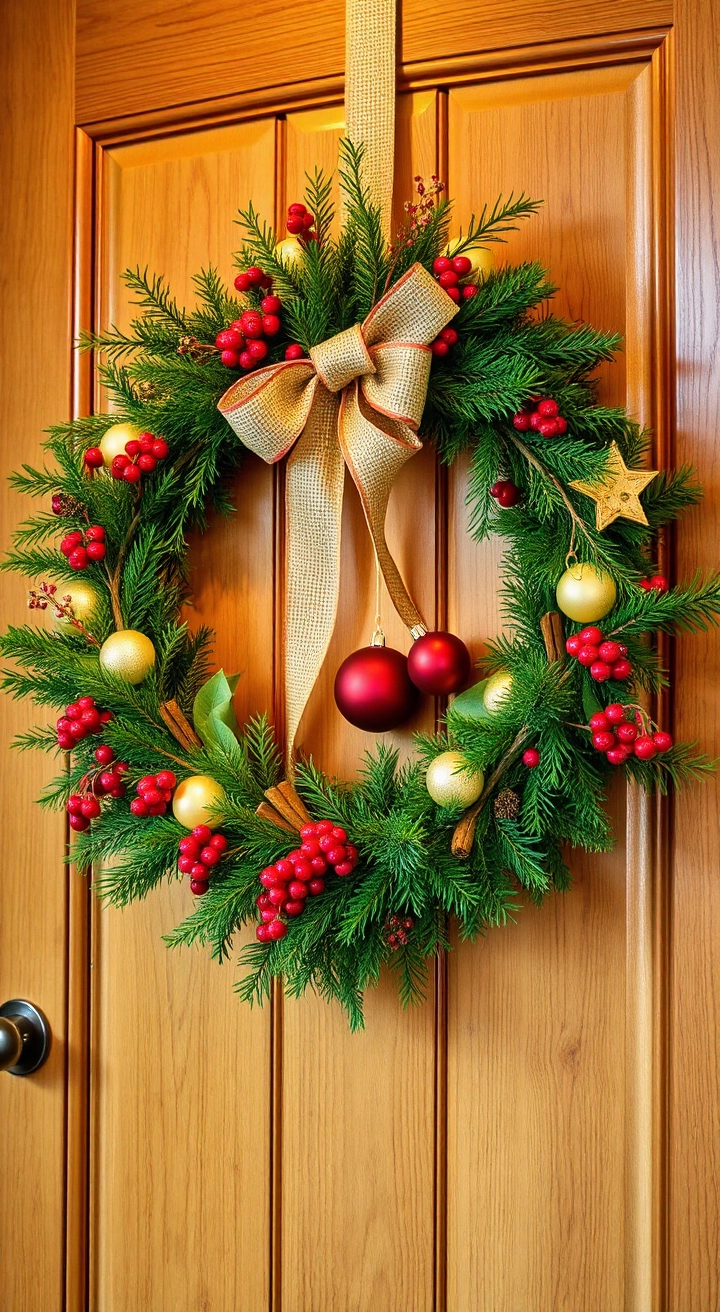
{"x": 357, "y": 402}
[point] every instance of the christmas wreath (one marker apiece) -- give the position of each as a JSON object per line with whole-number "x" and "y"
{"x": 338, "y": 350}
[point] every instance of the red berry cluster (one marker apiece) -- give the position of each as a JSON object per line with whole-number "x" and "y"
{"x": 620, "y": 737}
{"x": 543, "y": 417}
{"x": 448, "y": 270}
{"x": 199, "y": 852}
{"x": 142, "y": 456}
{"x": 154, "y": 793}
{"x": 81, "y": 718}
{"x": 657, "y": 583}
{"x": 241, "y": 344}
{"x": 253, "y": 279}
{"x": 300, "y": 222}
{"x": 440, "y": 347}
{"x": 84, "y": 806}
{"x": 396, "y": 931}
{"x": 505, "y": 493}
{"x": 604, "y": 658}
{"x": 81, "y": 549}
{"x": 299, "y": 875}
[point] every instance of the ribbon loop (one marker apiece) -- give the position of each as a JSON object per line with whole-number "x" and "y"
{"x": 357, "y": 402}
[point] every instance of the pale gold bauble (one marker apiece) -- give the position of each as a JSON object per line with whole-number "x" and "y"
{"x": 497, "y": 690}
{"x": 128, "y": 654}
{"x": 290, "y": 251}
{"x": 482, "y": 259}
{"x": 451, "y": 782}
{"x": 112, "y": 442}
{"x": 585, "y": 593}
{"x": 194, "y": 799}
{"x": 83, "y": 599}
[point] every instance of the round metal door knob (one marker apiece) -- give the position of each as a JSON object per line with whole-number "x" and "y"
{"x": 24, "y": 1037}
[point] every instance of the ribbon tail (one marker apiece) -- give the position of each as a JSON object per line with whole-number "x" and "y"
{"x": 313, "y": 497}
{"x": 375, "y": 449}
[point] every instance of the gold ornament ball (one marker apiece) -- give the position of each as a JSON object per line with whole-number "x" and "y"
{"x": 129, "y": 655}
{"x": 482, "y": 259}
{"x": 497, "y": 690}
{"x": 112, "y": 442}
{"x": 193, "y": 800}
{"x": 450, "y": 781}
{"x": 585, "y": 593}
{"x": 290, "y": 251}
{"x": 83, "y": 599}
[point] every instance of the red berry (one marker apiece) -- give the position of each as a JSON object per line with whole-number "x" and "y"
{"x": 622, "y": 669}
{"x": 106, "y": 717}
{"x": 560, "y": 425}
{"x": 198, "y": 870}
{"x": 531, "y": 758}
{"x": 257, "y": 350}
{"x": 645, "y": 748}
{"x": 599, "y": 721}
{"x": 70, "y": 542}
{"x": 307, "y": 831}
{"x": 270, "y": 305}
{"x": 90, "y": 719}
{"x": 199, "y": 886}
{"x": 600, "y": 671}
{"x": 262, "y": 902}
{"x": 133, "y": 447}
{"x": 602, "y": 740}
{"x": 337, "y": 854}
{"x": 95, "y": 550}
{"x": 352, "y": 853}
{"x": 78, "y": 822}
{"x": 66, "y": 741}
{"x": 94, "y": 457}
{"x": 278, "y": 897}
{"x": 152, "y": 797}
{"x": 591, "y": 635}
{"x": 448, "y": 278}
{"x": 442, "y": 264}
{"x": 86, "y": 703}
{"x": 146, "y": 441}
{"x": 119, "y": 465}
{"x": 230, "y": 359}
{"x": 453, "y": 293}
{"x": 185, "y": 863}
{"x": 339, "y": 834}
{"x": 262, "y": 933}
{"x": 659, "y": 583}
{"x": 573, "y": 644}
{"x": 147, "y": 462}
{"x": 615, "y": 713}
{"x": 270, "y": 879}
{"x": 95, "y": 534}
{"x": 344, "y": 868}
{"x": 242, "y": 283}
{"x": 73, "y": 711}
{"x": 302, "y": 869}
{"x": 294, "y": 907}
{"x": 271, "y": 325}
{"x": 469, "y": 291}
{"x": 138, "y": 807}
{"x": 268, "y": 913}
{"x": 209, "y": 856}
{"x": 251, "y": 321}
{"x": 165, "y": 779}
{"x": 662, "y": 740}
{"x": 521, "y": 421}
{"x": 202, "y": 834}
{"x": 78, "y": 558}
{"x": 535, "y": 421}
{"x": 283, "y": 869}
{"x": 90, "y": 808}
{"x": 547, "y": 428}
{"x": 294, "y": 351}
{"x": 587, "y": 655}
{"x": 229, "y": 340}
{"x": 439, "y": 348}
{"x": 294, "y": 224}
{"x": 449, "y": 335}
{"x": 316, "y": 886}
{"x": 548, "y": 409}
{"x": 462, "y": 265}
{"x": 324, "y": 827}
{"x": 219, "y": 842}
{"x": 276, "y": 930}
{"x": 160, "y": 448}
{"x": 189, "y": 846}
{"x": 509, "y": 495}
{"x": 627, "y": 733}
{"x": 131, "y": 474}
{"x": 310, "y": 848}
{"x": 644, "y": 584}
{"x": 246, "y": 361}
{"x": 617, "y": 755}
{"x": 74, "y": 804}
{"x": 609, "y": 651}
{"x": 319, "y": 865}
{"x": 255, "y": 275}
{"x": 297, "y": 207}
{"x": 298, "y": 890}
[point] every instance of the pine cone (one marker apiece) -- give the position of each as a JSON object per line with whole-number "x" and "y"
{"x": 146, "y": 391}
{"x": 64, "y": 504}
{"x": 506, "y": 805}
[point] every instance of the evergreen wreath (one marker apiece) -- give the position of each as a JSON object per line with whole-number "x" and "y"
{"x": 542, "y": 754}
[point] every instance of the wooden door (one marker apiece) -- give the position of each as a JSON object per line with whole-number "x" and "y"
{"x": 542, "y": 1133}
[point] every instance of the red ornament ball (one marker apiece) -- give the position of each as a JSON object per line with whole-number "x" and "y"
{"x": 438, "y": 663}
{"x": 373, "y": 689}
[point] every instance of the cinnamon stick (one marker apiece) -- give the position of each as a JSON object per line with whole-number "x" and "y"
{"x": 179, "y": 726}
{"x": 268, "y": 812}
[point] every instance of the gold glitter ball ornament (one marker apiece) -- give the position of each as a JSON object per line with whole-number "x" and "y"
{"x": 290, "y": 251}
{"x": 112, "y": 442}
{"x": 128, "y": 654}
{"x": 497, "y": 690}
{"x": 194, "y": 799}
{"x": 617, "y": 493}
{"x": 585, "y": 593}
{"x": 83, "y": 599}
{"x": 451, "y": 782}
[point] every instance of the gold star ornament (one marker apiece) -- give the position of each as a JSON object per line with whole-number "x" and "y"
{"x": 617, "y": 494}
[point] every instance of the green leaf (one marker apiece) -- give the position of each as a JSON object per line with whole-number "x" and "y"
{"x": 213, "y": 712}
{"x": 591, "y": 705}
{"x": 470, "y": 704}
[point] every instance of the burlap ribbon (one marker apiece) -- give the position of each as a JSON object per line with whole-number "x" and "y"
{"x": 357, "y": 401}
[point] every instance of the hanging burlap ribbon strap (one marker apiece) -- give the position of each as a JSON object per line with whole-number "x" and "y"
{"x": 356, "y": 402}
{"x": 370, "y": 94}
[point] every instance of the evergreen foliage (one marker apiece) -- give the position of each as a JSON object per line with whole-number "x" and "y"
{"x": 164, "y": 375}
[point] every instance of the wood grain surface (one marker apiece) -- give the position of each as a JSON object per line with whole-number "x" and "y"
{"x": 36, "y": 144}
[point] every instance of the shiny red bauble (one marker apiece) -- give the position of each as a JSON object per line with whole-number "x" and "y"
{"x": 373, "y": 689}
{"x": 438, "y": 663}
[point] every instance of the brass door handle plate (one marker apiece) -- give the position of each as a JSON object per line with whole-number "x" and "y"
{"x": 24, "y": 1037}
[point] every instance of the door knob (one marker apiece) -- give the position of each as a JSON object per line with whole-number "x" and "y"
{"x": 24, "y": 1037}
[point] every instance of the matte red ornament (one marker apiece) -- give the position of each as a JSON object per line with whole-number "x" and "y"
{"x": 438, "y": 663}
{"x": 373, "y": 689}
